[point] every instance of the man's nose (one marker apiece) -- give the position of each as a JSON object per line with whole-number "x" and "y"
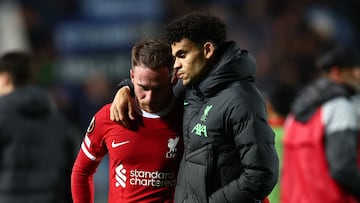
{"x": 177, "y": 64}
{"x": 149, "y": 95}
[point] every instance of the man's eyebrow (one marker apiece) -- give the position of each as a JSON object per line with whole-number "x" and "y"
{"x": 149, "y": 87}
{"x": 144, "y": 87}
{"x": 141, "y": 85}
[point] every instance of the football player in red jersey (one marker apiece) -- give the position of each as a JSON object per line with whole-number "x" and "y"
{"x": 143, "y": 160}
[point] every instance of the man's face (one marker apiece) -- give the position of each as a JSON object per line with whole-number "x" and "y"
{"x": 351, "y": 77}
{"x": 190, "y": 61}
{"x": 152, "y": 87}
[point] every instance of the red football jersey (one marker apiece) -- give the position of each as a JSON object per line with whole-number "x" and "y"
{"x": 143, "y": 162}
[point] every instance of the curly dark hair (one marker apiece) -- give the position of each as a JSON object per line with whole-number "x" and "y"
{"x": 152, "y": 53}
{"x": 197, "y": 27}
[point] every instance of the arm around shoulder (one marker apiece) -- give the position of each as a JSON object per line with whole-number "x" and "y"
{"x": 122, "y": 109}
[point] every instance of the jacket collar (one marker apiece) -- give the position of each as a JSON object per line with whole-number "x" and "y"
{"x": 233, "y": 64}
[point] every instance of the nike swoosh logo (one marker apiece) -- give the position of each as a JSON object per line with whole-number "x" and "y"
{"x": 113, "y": 144}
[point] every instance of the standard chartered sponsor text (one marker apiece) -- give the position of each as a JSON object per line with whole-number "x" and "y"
{"x": 152, "y": 178}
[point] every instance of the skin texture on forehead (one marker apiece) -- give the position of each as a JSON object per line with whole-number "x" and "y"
{"x": 151, "y": 78}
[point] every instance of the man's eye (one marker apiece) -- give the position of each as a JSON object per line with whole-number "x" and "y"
{"x": 144, "y": 88}
{"x": 180, "y": 55}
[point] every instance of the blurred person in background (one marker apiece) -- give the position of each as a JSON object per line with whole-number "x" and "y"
{"x": 37, "y": 148}
{"x": 278, "y": 102}
{"x": 321, "y": 142}
{"x": 144, "y": 160}
{"x": 356, "y": 100}
{"x": 229, "y": 151}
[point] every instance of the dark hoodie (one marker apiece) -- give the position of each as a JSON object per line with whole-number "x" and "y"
{"x": 36, "y": 149}
{"x": 314, "y": 95}
{"x": 229, "y": 146}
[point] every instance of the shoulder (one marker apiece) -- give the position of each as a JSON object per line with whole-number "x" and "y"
{"x": 100, "y": 123}
{"x": 101, "y": 117}
{"x": 241, "y": 102}
{"x": 103, "y": 113}
{"x": 340, "y": 114}
{"x": 243, "y": 94}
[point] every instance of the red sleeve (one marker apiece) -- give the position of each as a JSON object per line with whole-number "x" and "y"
{"x": 82, "y": 179}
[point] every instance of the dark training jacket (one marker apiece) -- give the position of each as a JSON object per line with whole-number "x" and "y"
{"x": 36, "y": 150}
{"x": 230, "y": 154}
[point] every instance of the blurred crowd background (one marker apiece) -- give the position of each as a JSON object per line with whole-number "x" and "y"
{"x": 82, "y": 47}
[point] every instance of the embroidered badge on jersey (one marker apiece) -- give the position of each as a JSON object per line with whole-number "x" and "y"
{"x": 172, "y": 147}
{"x": 200, "y": 128}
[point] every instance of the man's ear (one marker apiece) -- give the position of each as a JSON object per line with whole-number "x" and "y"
{"x": 132, "y": 75}
{"x": 209, "y": 49}
{"x": 5, "y": 78}
{"x": 6, "y": 84}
